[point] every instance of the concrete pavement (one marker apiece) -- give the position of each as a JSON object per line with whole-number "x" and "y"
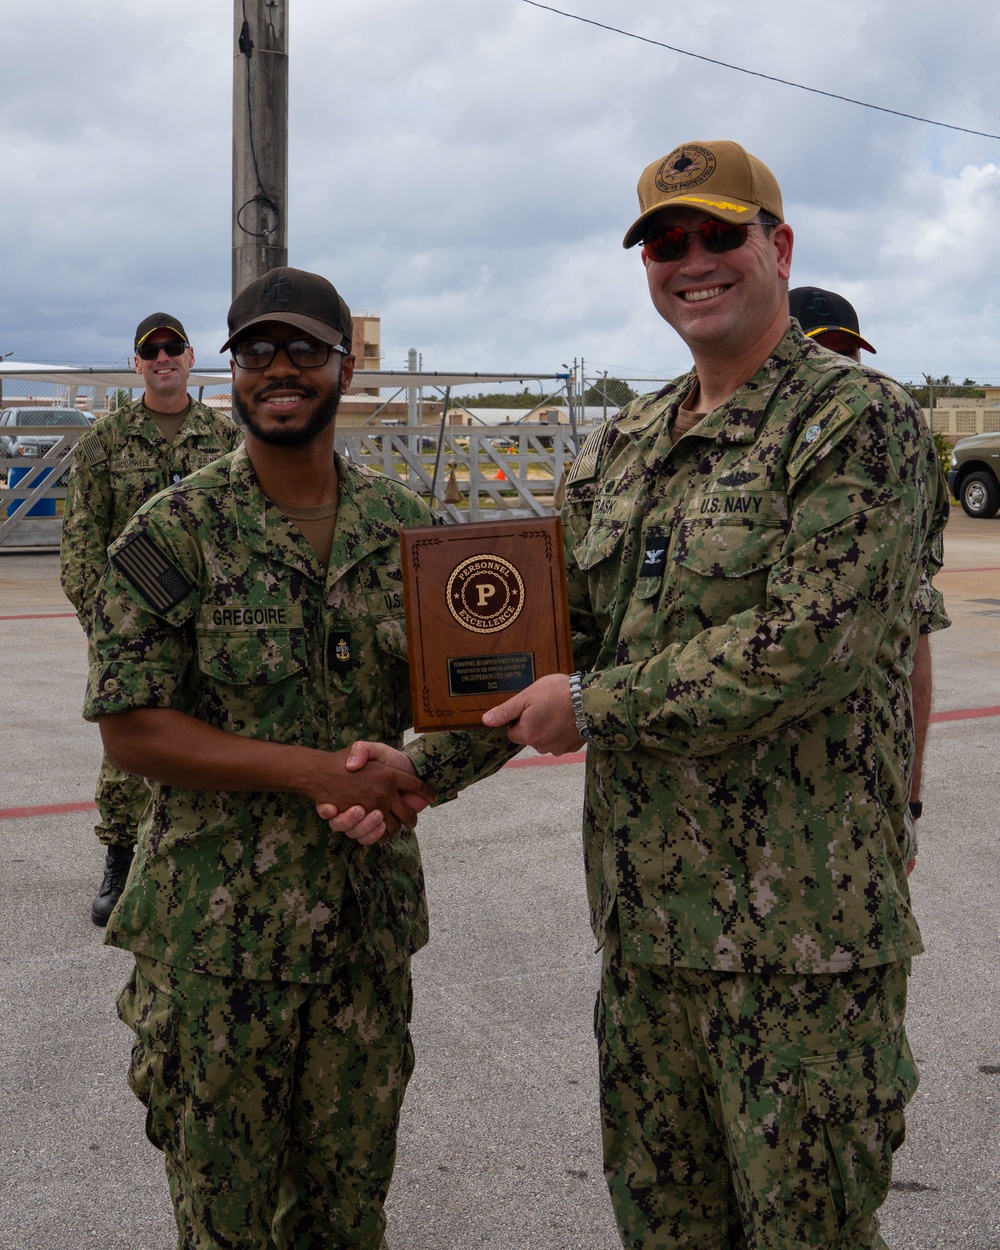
{"x": 500, "y": 1143}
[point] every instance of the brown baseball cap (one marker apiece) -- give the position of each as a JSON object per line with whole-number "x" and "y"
{"x": 297, "y": 298}
{"x": 717, "y": 176}
{"x": 158, "y": 321}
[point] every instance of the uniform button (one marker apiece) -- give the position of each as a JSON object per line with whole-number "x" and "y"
{"x": 622, "y": 740}
{"x": 111, "y": 685}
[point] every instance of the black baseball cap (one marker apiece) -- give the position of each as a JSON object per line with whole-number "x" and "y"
{"x": 819, "y": 312}
{"x": 158, "y": 321}
{"x": 304, "y": 300}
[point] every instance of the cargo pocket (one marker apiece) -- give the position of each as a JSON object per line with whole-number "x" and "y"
{"x": 153, "y": 1017}
{"x": 848, "y": 1123}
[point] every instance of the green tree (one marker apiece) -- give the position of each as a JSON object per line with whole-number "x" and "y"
{"x": 614, "y": 392}
{"x": 504, "y": 399}
{"x": 944, "y": 388}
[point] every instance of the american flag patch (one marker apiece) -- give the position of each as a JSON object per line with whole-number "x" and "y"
{"x": 151, "y": 573}
{"x": 91, "y": 449}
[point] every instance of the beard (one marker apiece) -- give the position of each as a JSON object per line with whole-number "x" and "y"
{"x": 321, "y": 419}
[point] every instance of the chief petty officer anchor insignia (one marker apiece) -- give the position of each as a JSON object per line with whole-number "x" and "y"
{"x": 338, "y": 651}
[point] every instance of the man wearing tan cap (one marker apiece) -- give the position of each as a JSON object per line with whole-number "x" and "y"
{"x": 123, "y": 461}
{"x": 743, "y": 550}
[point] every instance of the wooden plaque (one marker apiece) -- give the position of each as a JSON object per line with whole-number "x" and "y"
{"x": 486, "y": 614}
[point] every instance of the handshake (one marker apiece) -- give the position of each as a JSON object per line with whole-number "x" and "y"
{"x": 379, "y": 791}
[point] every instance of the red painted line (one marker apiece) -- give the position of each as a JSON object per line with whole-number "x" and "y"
{"x": 532, "y": 761}
{"x": 38, "y": 616}
{"x": 966, "y": 713}
{"x": 54, "y": 809}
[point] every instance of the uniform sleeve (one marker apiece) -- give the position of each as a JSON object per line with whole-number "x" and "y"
{"x": 451, "y": 761}
{"x": 88, "y": 515}
{"x": 141, "y": 650}
{"x": 931, "y": 613}
{"x": 838, "y": 599}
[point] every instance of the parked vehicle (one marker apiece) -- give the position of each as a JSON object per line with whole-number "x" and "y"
{"x": 15, "y": 444}
{"x": 974, "y": 479}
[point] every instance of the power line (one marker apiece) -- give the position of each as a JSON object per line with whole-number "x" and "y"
{"x": 784, "y": 82}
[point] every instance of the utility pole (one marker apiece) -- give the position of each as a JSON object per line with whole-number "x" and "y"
{"x": 260, "y": 139}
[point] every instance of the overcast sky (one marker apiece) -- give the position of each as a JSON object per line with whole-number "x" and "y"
{"x": 467, "y": 169}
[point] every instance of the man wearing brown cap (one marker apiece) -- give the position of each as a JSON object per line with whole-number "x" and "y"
{"x": 742, "y": 556}
{"x": 125, "y": 459}
{"x": 250, "y": 625}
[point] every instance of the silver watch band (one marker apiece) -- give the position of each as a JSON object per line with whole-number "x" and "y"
{"x": 576, "y": 698}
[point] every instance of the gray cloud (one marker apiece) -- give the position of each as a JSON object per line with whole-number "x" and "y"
{"x": 467, "y": 169}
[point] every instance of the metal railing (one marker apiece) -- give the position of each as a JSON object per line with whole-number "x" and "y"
{"x": 471, "y": 473}
{"x": 468, "y": 473}
{"x": 34, "y": 488}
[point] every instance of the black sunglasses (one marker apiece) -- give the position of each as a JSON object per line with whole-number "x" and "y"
{"x": 150, "y": 351}
{"x": 672, "y": 242}
{"x": 303, "y": 353}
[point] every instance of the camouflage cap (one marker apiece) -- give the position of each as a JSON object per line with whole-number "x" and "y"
{"x": 717, "y": 176}
{"x": 297, "y": 298}
{"x": 822, "y": 312}
{"x": 158, "y": 321}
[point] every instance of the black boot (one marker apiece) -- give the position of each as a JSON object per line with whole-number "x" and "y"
{"x": 116, "y": 865}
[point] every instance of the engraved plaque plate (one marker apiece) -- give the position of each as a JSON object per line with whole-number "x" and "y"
{"x": 486, "y": 615}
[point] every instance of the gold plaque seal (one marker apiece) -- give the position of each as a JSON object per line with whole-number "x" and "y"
{"x": 485, "y": 594}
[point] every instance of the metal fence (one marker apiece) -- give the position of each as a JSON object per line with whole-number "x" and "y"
{"x": 468, "y": 473}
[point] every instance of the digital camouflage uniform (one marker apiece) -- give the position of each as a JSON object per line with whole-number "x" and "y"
{"x": 258, "y": 933}
{"x": 121, "y": 463}
{"x": 743, "y": 602}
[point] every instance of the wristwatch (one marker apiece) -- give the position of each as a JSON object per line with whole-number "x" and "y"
{"x": 916, "y": 809}
{"x": 576, "y": 698}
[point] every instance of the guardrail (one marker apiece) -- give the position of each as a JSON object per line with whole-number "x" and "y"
{"x": 469, "y": 473}
{"x": 34, "y": 489}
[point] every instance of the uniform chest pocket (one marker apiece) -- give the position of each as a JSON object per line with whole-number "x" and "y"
{"x": 390, "y": 634}
{"x": 729, "y": 548}
{"x": 253, "y": 658}
{"x": 599, "y": 555}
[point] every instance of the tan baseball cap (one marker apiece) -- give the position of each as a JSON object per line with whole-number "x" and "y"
{"x": 717, "y": 176}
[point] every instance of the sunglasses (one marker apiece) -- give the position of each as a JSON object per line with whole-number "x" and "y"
{"x": 672, "y": 242}
{"x": 150, "y": 351}
{"x": 303, "y": 353}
